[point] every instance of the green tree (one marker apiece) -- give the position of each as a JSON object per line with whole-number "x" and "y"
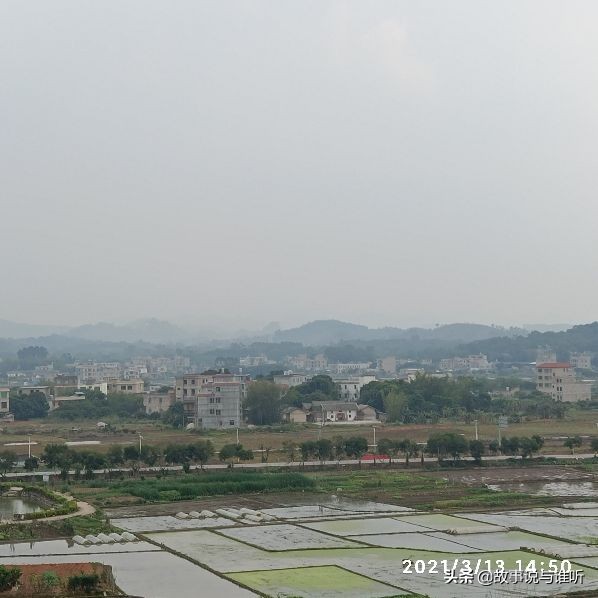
{"x": 443, "y": 444}
{"x": 339, "y": 447}
{"x": 307, "y": 448}
{"x": 175, "y": 415}
{"x": 476, "y": 450}
{"x": 130, "y": 453}
{"x": 55, "y": 455}
{"x": 203, "y": 452}
{"x": 30, "y": 357}
{"x": 356, "y": 447}
{"x": 31, "y": 463}
{"x": 149, "y": 455}
{"x": 529, "y": 446}
{"x": 8, "y": 459}
{"x": 594, "y": 445}
{"x": 395, "y": 404}
{"x": 289, "y": 447}
{"x": 114, "y": 456}
{"x": 409, "y": 448}
{"x": 387, "y": 447}
{"x": 263, "y": 403}
{"x": 573, "y": 442}
{"x": 320, "y": 383}
{"x": 324, "y": 449}
{"x": 29, "y": 406}
{"x": 235, "y": 452}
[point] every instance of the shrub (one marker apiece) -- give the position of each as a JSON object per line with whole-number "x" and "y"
{"x": 9, "y": 577}
{"x": 86, "y": 582}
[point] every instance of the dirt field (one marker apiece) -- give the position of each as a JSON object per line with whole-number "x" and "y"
{"x": 45, "y": 432}
{"x": 498, "y": 475}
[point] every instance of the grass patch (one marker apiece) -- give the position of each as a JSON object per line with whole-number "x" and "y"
{"x": 312, "y": 580}
{"x": 187, "y": 487}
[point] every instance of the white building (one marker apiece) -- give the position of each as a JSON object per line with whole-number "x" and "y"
{"x": 212, "y": 400}
{"x": 309, "y": 364}
{"x": 97, "y": 372}
{"x": 581, "y": 361}
{"x": 4, "y": 399}
{"x": 557, "y": 379}
{"x": 470, "y": 363}
{"x": 289, "y": 379}
{"x": 347, "y": 368}
{"x": 349, "y": 389}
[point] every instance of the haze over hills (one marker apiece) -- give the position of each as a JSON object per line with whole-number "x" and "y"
{"x": 319, "y": 332}
{"x": 326, "y": 332}
{"x": 149, "y": 330}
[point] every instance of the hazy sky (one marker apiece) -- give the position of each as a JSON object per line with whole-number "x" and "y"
{"x": 382, "y": 162}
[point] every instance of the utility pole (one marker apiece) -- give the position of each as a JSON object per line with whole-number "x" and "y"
{"x": 475, "y": 421}
{"x": 140, "y": 439}
{"x": 237, "y": 435}
{"x": 375, "y": 445}
{"x": 29, "y": 445}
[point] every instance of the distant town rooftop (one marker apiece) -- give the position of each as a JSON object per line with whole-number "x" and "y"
{"x": 554, "y": 364}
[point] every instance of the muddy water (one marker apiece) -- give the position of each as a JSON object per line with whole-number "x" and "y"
{"x": 579, "y": 488}
{"x": 11, "y": 505}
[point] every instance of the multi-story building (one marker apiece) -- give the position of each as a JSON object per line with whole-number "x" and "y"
{"x": 581, "y": 361}
{"x": 545, "y": 355}
{"x": 388, "y": 365}
{"x": 344, "y": 368}
{"x": 4, "y": 399}
{"x": 212, "y": 399}
{"x": 349, "y": 389}
{"x": 289, "y": 379}
{"x": 557, "y": 379}
{"x": 97, "y": 372}
{"x": 470, "y": 363}
{"x": 310, "y": 364}
{"x": 158, "y": 402}
{"x": 101, "y": 386}
{"x": 134, "y": 386}
{"x": 255, "y": 360}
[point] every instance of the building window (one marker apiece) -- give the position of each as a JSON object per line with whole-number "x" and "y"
{"x": 232, "y": 422}
{"x": 218, "y": 412}
{"x": 184, "y": 382}
{"x": 211, "y": 412}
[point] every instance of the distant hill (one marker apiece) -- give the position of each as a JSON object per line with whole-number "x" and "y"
{"x": 523, "y": 348}
{"x": 149, "y": 330}
{"x": 19, "y": 330}
{"x": 327, "y": 332}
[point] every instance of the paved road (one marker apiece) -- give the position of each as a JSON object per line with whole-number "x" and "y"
{"x": 298, "y": 464}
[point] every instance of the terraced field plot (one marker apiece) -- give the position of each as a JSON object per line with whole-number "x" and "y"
{"x": 325, "y": 582}
{"x": 285, "y": 537}
{"x": 167, "y": 522}
{"x": 357, "y": 527}
{"x": 569, "y": 526}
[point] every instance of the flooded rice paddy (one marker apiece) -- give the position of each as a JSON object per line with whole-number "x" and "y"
{"x": 331, "y": 549}
{"x": 560, "y": 488}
